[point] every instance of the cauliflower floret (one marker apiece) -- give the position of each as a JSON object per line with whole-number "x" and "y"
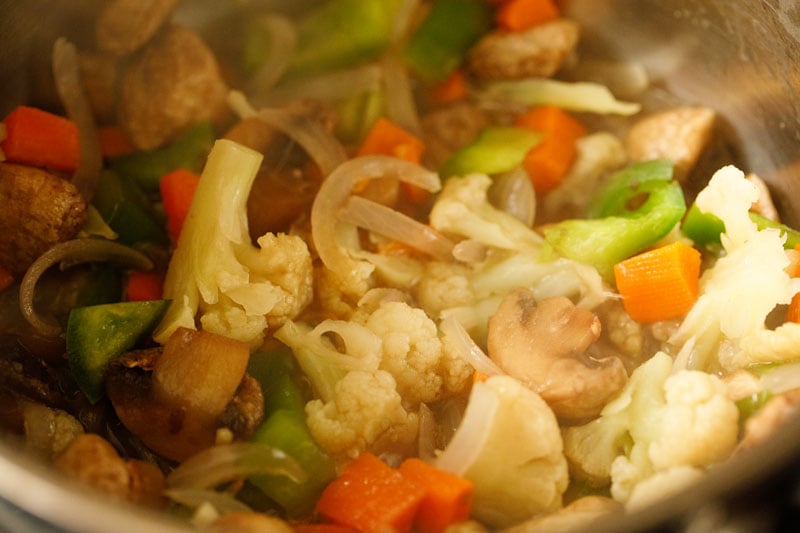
{"x": 659, "y": 421}
{"x": 463, "y": 209}
{"x": 366, "y": 412}
{"x": 662, "y": 485}
{"x": 412, "y": 351}
{"x": 236, "y": 289}
{"x": 508, "y": 444}
{"x": 744, "y": 285}
{"x": 442, "y": 286}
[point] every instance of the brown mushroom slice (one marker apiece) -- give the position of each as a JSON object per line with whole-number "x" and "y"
{"x": 544, "y": 344}
{"x": 764, "y": 205}
{"x": 537, "y": 52}
{"x": 680, "y": 134}
{"x": 39, "y": 209}
{"x": 450, "y": 128}
{"x": 100, "y": 76}
{"x": 123, "y": 26}
{"x": 774, "y": 415}
{"x": 174, "y": 83}
{"x": 176, "y": 398}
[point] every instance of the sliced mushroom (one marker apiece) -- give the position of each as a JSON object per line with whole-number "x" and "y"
{"x": 123, "y": 26}
{"x": 764, "y": 206}
{"x": 100, "y": 75}
{"x": 537, "y": 52}
{"x": 93, "y": 461}
{"x": 174, "y": 83}
{"x": 40, "y": 209}
{"x": 544, "y": 344}
{"x": 176, "y": 398}
{"x": 680, "y": 134}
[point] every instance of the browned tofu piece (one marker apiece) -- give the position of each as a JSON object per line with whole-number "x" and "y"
{"x": 39, "y": 209}
{"x": 123, "y": 26}
{"x": 174, "y": 83}
{"x": 537, "y": 52}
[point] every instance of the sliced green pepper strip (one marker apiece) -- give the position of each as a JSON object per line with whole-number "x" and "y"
{"x": 750, "y": 405}
{"x": 625, "y": 184}
{"x": 285, "y": 428}
{"x": 357, "y": 114}
{"x": 341, "y": 33}
{"x": 705, "y": 228}
{"x": 126, "y": 210}
{"x": 439, "y": 44}
{"x": 495, "y": 150}
{"x": 99, "y": 333}
{"x": 188, "y": 151}
{"x": 603, "y": 242}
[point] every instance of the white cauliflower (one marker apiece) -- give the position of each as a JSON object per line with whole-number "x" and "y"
{"x": 366, "y": 412}
{"x": 662, "y": 485}
{"x": 508, "y": 444}
{"x": 463, "y": 209}
{"x": 216, "y": 275}
{"x": 744, "y": 285}
{"x": 359, "y": 407}
{"x": 412, "y": 352}
{"x": 658, "y": 422}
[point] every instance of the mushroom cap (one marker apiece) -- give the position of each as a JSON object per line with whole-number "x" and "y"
{"x": 543, "y": 344}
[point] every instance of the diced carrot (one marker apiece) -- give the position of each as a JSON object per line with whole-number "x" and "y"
{"x": 114, "y": 141}
{"x": 6, "y": 279}
{"x": 479, "y": 376}
{"x": 41, "y": 139}
{"x": 659, "y": 284}
{"x": 548, "y": 162}
{"x": 371, "y": 497}
{"x": 143, "y": 286}
{"x": 793, "y": 311}
{"x": 322, "y": 528}
{"x": 518, "y": 15}
{"x": 387, "y": 138}
{"x": 177, "y": 190}
{"x": 452, "y": 88}
{"x": 448, "y": 498}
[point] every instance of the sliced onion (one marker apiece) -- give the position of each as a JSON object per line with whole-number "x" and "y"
{"x": 400, "y": 106}
{"x": 228, "y": 462}
{"x": 67, "y": 254}
{"x": 401, "y": 24}
{"x": 782, "y": 378}
{"x": 283, "y": 41}
{"x": 464, "y": 345}
{"x": 68, "y": 84}
{"x": 395, "y": 225}
{"x": 513, "y": 193}
{"x": 222, "y": 502}
{"x": 328, "y": 235}
{"x": 332, "y": 86}
{"x": 326, "y": 151}
{"x": 470, "y": 251}
{"x": 426, "y": 435}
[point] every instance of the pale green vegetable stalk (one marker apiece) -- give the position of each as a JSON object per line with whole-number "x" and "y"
{"x": 580, "y": 96}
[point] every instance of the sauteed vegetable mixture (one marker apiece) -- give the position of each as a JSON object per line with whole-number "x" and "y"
{"x": 357, "y": 265}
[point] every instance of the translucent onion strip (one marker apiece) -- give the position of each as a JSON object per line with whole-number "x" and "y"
{"x": 397, "y": 226}
{"x": 283, "y": 41}
{"x": 400, "y": 105}
{"x": 460, "y": 340}
{"x": 513, "y": 193}
{"x": 331, "y": 86}
{"x": 228, "y": 462}
{"x": 66, "y": 73}
{"x": 222, "y": 502}
{"x": 67, "y": 254}
{"x": 326, "y": 151}
{"x": 327, "y": 235}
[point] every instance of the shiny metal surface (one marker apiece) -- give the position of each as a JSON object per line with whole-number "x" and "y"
{"x": 740, "y": 57}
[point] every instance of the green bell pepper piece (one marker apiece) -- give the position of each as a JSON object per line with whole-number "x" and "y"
{"x": 126, "y": 210}
{"x": 495, "y": 150}
{"x": 439, "y": 44}
{"x": 188, "y": 151}
{"x": 340, "y": 33}
{"x": 626, "y": 184}
{"x": 624, "y": 231}
{"x": 285, "y": 428}
{"x": 705, "y": 228}
{"x": 99, "y": 333}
